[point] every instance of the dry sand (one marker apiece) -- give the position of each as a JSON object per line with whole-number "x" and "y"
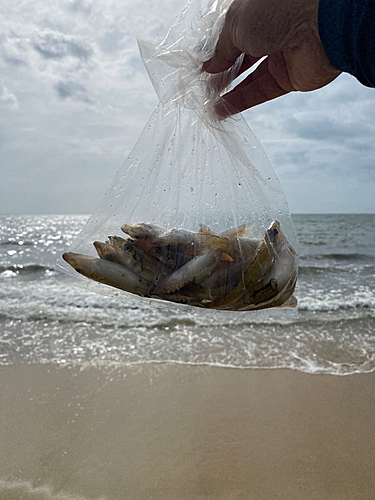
{"x": 173, "y": 432}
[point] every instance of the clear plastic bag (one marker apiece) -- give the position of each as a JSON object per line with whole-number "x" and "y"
{"x": 196, "y": 215}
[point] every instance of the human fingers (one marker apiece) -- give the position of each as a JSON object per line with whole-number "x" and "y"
{"x": 226, "y": 52}
{"x": 253, "y": 91}
{"x": 268, "y": 81}
{"x": 261, "y": 70}
{"x": 247, "y": 63}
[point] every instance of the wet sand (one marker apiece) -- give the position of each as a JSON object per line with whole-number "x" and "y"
{"x": 174, "y": 432}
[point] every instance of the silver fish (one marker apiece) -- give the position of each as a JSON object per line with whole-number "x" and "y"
{"x": 125, "y": 252}
{"x": 195, "y": 271}
{"x": 109, "y": 273}
{"x": 227, "y": 273}
{"x": 194, "y": 244}
{"x": 142, "y": 231}
{"x": 270, "y": 279}
{"x": 119, "y": 276}
{"x": 235, "y": 232}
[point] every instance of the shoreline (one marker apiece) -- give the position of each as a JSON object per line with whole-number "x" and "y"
{"x": 177, "y": 432}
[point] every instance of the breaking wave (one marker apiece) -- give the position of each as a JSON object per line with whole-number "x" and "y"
{"x": 24, "y": 490}
{"x": 345, "y": 256}
{"x": 22, "y": 270}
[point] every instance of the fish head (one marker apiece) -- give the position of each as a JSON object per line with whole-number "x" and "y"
{"x": 274, "y": 234}
{"x": 276, "y": 237}
{"x": 122, "y": 245}
{"x": 118, "y": 250}
{"x": 108, "y": 272}
{"x": 142, "y": 231}
{"x": 285, "y": 268}
{"x": 81, "y": 263}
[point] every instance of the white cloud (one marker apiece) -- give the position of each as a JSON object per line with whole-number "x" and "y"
{"x": 73, "y": 90}
{"x": 57, "y": 45}
{"x": 79, "y": 6}
{"x": 7, "y": 98}
{"x": 72, "y": 71}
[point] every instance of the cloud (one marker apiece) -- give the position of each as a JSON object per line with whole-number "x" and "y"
{"x": 15, "y": 61}
{"x": 75, "y": 91}
{"x": 13, "y": 50}
{"x": 57, "y": 45}
{"x": 72, "y": 70}
{"x": 114, "y": 40}
{"x": 7, "y": 98}
{"x": 322, "y": 128}
{"x": 80, "y": 6}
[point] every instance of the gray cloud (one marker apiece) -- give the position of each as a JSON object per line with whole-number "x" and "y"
{"x": 14, "y": 61}
{"x": 326, "y": 129}
{"x": 58, "y": 46}
{"x": 80, "y": 6}
{"x": 75, "y": 91}
{"x": 114, "y": 40}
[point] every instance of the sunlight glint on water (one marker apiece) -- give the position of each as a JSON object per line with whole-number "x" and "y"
{"x": 43, "y": 320}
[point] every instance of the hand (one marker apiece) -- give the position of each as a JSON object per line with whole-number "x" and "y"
{"x": 286, "y": 31}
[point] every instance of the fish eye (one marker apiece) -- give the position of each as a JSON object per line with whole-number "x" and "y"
{"x": 127, "y": 247}
{"x": 275, "y": 232}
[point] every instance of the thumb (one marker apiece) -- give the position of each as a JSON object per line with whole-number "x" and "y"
{"x": 225, "y": 54}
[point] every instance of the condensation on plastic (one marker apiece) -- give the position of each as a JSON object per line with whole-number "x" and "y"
{"x": 188, "y": 167}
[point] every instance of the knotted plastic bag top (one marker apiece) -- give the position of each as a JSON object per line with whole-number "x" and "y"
{"x": 175, "y": 65}
{"x": 196, "y": 215}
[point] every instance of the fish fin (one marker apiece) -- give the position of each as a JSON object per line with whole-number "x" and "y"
{"x": 226, "y": 258}
{"x": 236, "y": 232}
{"x": 291, "y": 302}
{"x": 205, "y": 230}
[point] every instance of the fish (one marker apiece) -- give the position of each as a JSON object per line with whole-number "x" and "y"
{"x": 142, "y": 231}
{"x": 108, "y": 273}
{"x": 194, "y": 244}
{"x": 205, "y": 230}
{"x": 123, "y": 251}
{"x": 143, "y": 238}
{"x": 119, "y": 276}
{"x": 235, "y": 232}
{"x": 195, "y": 271}
{"x": 154, "y": 263}
{"x": 245, "y": 230}
{"x": 270, "y": 279}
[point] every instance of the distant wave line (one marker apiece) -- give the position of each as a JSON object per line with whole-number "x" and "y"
{"x": 341, "y": 256}
{"x": 19, "y": 243}
{"x": 25, "y": 269}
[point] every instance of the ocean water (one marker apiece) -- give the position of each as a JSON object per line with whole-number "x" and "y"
{"x": 43, "y": 320}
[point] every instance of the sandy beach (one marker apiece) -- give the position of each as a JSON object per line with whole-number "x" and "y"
{"x": 184, "y": 432}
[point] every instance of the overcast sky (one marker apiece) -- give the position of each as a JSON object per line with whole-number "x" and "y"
{"x": 74, "y": 96}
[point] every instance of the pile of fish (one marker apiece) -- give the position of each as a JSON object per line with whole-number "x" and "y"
{"x": 228, "y": 271}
